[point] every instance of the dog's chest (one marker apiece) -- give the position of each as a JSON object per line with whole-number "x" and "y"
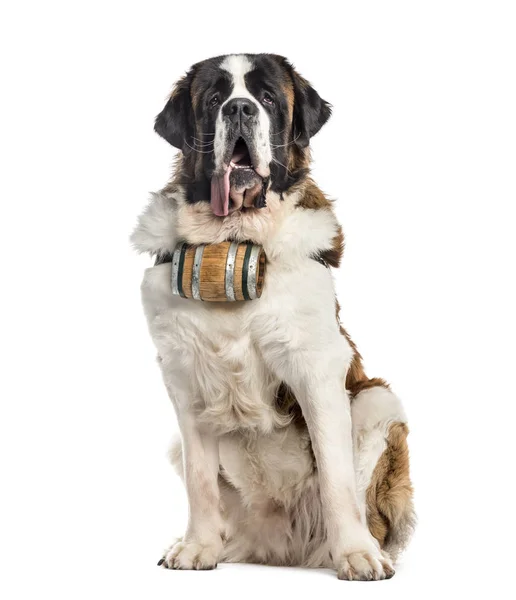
{"x": 232, "y": 388}
{"x": 212, "y": 352}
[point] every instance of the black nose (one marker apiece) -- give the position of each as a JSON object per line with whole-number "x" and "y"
{"x": 240, "y": 110}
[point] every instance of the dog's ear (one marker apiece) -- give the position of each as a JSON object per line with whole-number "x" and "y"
{"x": 175, "y": 122}
{"x": 310, "y": 111}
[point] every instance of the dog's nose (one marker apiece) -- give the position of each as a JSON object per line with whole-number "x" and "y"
{"x": 240, "y": 110}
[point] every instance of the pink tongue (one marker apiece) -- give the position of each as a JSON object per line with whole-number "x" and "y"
{"x": 220, "y": 193}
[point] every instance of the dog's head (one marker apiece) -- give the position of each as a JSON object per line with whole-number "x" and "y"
{"x": 243, "y": 123}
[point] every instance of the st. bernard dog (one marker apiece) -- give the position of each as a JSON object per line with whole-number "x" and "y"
{"x": 289, "y": 452}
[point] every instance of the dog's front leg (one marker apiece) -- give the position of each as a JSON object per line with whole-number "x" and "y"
{"x": 301, "y": 343}
{"x": 201, "y": 545}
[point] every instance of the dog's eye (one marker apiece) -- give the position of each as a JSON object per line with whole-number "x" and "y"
{"x": 268, "y": 99}
{"x": 214, "y": 101}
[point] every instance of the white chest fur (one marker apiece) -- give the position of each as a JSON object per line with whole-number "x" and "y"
{"x": 212, "y": 350}
{"x": 227, "y": 358}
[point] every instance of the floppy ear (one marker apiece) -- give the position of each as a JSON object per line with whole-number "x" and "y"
{"x": 175, "y": 122}
{"x": 310, "y": 111}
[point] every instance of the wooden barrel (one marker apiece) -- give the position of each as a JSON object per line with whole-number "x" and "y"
{"x": 224, "y": 272}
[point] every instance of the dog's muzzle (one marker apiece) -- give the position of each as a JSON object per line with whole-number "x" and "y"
{"x": 239, "y": 180}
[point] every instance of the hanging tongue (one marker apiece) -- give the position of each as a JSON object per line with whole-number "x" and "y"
{"x": 220, "y": 193}
{"x": 220, "y": 184}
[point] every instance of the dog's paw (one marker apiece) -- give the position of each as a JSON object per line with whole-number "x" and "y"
{"x": 189, "y": 555}
{"x": 362, "y": 565}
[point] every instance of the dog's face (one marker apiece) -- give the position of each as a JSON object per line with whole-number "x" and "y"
{"x": 243, "y": 123}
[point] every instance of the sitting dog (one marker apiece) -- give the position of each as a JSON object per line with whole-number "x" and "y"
{"x": 289, "y": 453}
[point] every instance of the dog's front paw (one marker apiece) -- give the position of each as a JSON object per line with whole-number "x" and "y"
{"x": 365, "y": 565}
{"x": 192, "y": 554}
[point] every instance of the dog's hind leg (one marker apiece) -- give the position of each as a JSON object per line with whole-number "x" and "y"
{"x": 382, "y": 466}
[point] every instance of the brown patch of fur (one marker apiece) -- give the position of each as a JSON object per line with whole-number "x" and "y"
{"x": 333, "y": 256}
{"x": 390, "y": 514}
{"x": 356, "y": 379}
{"x": 195, "y": 93}
{"x": 361, "y": 385}
{"x": 299, "y": 160}
{"x": 313, "y": 198}
{"x": 288, "y": 90}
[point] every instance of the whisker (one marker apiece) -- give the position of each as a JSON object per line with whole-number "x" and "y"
{"x": 288, "y": 144}
{"x": 281, "y": 164}
{"x": 205, "y": 134}
{"x": 280, "y": 132}
{"x": 196, "y": 150}
{"x": 201, "y": 142}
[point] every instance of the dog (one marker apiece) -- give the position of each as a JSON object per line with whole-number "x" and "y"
{"x": 289, "y": 453}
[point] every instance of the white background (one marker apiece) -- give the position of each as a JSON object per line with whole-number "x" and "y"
{"x": 420, "y": 155}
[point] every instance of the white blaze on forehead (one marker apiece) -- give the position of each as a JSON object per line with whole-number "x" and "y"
{"x": 238, "y": 65}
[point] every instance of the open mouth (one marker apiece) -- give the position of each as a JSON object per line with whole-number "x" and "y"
{"x": 239, "y": 183}
{"x": 241, "y": 157}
